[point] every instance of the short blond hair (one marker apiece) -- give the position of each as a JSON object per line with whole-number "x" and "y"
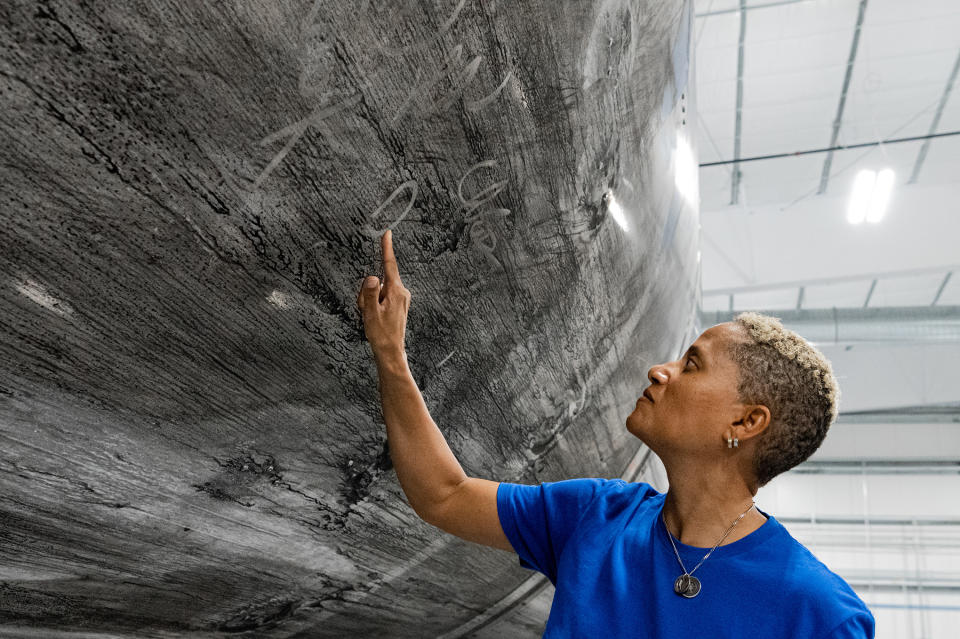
{"x": 784, "y": 372}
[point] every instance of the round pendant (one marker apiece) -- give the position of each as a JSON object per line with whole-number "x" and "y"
{"x": 687, "y": 585}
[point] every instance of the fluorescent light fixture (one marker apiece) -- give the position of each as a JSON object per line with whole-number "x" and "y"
{"x": 860, "y": 198}
{"x": 881, "y": 195}
{"x": 871, "y": 194}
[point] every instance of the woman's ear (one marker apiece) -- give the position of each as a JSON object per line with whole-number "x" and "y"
{"x": 755, "y": 421}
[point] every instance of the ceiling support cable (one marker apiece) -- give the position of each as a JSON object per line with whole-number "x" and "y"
{"x": 922, "y": 155}
{"x": 830, "y": 149}
{"x": 837, "y": 121}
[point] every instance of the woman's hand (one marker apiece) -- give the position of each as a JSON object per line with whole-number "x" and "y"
{"x": 384, "y": 306}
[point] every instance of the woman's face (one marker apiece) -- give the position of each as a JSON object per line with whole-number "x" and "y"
{"x": 694, "y": 399}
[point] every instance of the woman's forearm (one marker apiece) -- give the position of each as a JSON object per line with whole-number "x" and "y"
{"x": 426, "y": 467}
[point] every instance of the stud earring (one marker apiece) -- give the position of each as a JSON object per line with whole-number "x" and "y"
{"x": 736, "y": 442}
{"x": 729, "y": 442}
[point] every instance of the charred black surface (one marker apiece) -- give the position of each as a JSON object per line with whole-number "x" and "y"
{"x": 190, "y": 427}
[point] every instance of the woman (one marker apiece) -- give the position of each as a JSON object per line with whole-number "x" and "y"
{"x": 747, "y": 401}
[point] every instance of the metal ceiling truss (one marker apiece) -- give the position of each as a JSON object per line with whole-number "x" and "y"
{"x": 922, "y": 155}
{"x": 926, "y": 414}
{"x": 838, "y": 121}
{"x": 873, "y": 521}
{"x": 736, "y": 174}
{"x": 879, "y": 467}
{"x": 735, "y": 178}
{"x": 730, "y": 292}
{"x": 882, "y": 325}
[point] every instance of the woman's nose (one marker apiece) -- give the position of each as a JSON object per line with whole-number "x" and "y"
{"x": 657, "y": 374}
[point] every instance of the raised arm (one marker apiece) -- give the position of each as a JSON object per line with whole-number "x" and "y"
{"x": 470, "y": 512}
{"x": 429, "y": 473}
{"x": 439, "y": 491}
{"x": 426, "y": 467}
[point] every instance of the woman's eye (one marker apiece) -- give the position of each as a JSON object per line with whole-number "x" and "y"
{"x": 689, "y": 360}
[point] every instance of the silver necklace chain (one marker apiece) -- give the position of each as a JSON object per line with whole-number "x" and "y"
{"x": 670, "y": 535}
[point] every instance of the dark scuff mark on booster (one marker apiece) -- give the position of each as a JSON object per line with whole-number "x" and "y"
{"x": 260, "y": 616}
{"x": 239, "y": 476}
{"x": 357, "y": 480}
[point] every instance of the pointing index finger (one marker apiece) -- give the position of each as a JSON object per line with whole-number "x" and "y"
{"x": 391, "y": 273}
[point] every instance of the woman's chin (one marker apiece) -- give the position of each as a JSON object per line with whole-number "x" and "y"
{"x": 637, "y": 427}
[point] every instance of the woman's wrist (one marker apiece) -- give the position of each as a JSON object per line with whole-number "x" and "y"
{"x": 394, "y": 359}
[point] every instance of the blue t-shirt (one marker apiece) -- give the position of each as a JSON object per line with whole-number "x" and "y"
{"x": 602, "y": 544}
